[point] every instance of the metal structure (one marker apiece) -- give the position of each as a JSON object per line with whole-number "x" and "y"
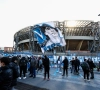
{"x": 80, "y": 35}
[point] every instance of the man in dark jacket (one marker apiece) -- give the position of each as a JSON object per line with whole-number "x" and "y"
{"x": 72, "y": 65}
{"x": 33, "y": 65}
{"x": 65, "y": 66}
{"x": 46, "y": 64}
{"x": 6, "y": 74}
{"x": 23, "y": 67}
{"x": 77, "y": 64}
{"x": 86, "y": 69}
{"x": 14, "y": 66}
{"x": 92, "y": 66}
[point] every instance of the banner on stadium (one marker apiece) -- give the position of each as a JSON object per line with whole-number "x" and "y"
{"x": 48, "y": 36}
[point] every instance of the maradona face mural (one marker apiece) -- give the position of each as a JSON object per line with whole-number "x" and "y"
{"x": 48, "y": 36}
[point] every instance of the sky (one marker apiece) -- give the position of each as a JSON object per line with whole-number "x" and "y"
{"x": 18, "y": 14}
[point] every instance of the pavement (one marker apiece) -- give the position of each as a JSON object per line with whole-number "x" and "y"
{"x": 59, "y": 82}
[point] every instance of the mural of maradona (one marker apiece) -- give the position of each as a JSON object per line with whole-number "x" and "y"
{"x": 48, "y": 36}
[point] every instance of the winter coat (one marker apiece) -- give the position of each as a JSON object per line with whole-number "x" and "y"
{"x": 46, "y": 62}
{"x": 85, "y": 66}
{"x": 6, "y": 76}
{"x": 14, "y": 67}
{"x": 23, "y": 62}
{"x": 77, "y": 62}
{"x": 91, "y": 64}
{"x": 33, "y": 62}
{"x": 65, "y": 62}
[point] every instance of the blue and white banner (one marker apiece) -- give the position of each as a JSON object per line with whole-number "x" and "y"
{"x": 48, "y": 36}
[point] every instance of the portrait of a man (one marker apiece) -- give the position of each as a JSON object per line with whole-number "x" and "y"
{"x": 48, "y": 37}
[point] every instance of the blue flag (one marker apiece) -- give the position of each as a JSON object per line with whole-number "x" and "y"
{"x": 48, "y": 36}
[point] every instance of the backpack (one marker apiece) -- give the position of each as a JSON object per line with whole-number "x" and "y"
{"x": 23, "y": 62}
{"x": 85, "y": 65}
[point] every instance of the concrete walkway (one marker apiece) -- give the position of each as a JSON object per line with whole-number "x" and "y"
{"x": 57, "y": 82}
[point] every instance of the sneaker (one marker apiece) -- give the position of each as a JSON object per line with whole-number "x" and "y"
{"x": 19, "y": 78}
{"x": 88, "y": 80}
{"x": 24, "y": 77}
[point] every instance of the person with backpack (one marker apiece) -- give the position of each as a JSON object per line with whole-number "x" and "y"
{"x": 86, "y": 69}
{"x": 23, "y": 67}
{"x": 14, "y": 66}
{"x": 6, "y": 74}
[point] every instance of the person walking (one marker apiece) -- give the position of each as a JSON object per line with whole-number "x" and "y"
{"x": 86, "y": 69}
{"x": 65, "y": 66}
{"x": 92, "y": 66}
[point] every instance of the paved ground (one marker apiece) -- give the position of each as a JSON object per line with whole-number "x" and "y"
{"x": 23, "y": 86}
{"x": 57, "y": 82}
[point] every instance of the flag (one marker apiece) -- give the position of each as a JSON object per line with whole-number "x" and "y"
{"x": 48, "y": 36}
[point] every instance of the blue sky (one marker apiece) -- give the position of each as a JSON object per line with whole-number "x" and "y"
{"x": 17, "y": 14}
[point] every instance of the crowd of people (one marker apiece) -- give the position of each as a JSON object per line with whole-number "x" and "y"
{"x": 8, "y": 73}
{"x": 87, "y": 66}
{"x": 16, "y": 67}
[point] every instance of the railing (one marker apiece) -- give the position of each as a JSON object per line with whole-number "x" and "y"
{"x": 68, "y": 53}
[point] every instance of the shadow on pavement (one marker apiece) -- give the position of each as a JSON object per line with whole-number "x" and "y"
{"x": 23, "y": 86}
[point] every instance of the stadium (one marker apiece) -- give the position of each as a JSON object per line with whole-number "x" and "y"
{"x": 81, "y": 36}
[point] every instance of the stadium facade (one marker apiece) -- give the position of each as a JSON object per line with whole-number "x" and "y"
{"x": 82, "y": 37}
